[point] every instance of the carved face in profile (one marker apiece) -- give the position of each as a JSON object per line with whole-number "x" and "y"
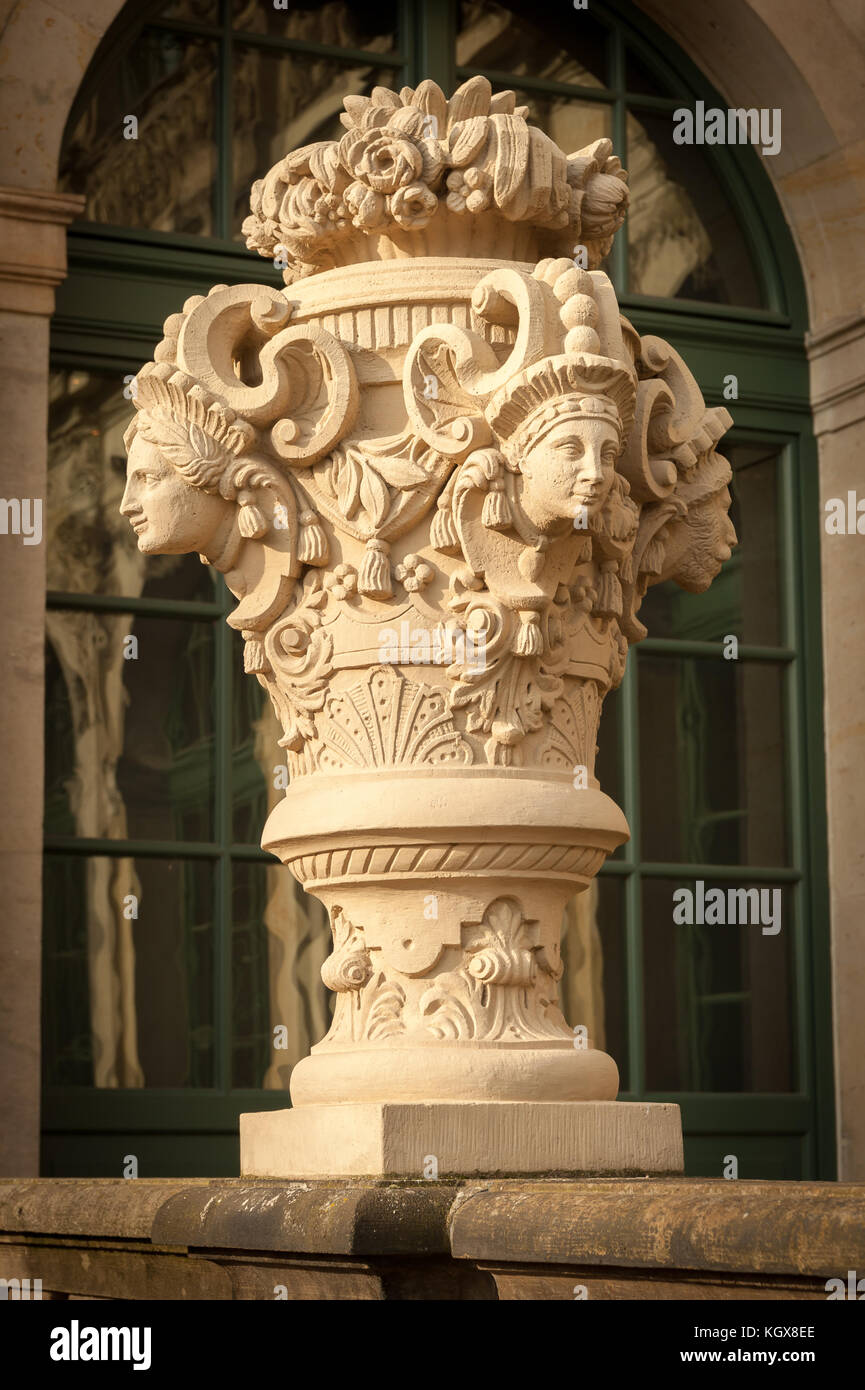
{"x": 699, "y": 544}
{"x": 570, "y": 466}
{"x": 168, "y": 515}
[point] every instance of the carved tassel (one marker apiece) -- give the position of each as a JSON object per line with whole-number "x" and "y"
{"x": 375, "y": 579}
{"x": 312, "y": 547}
{"x": 250, "y": 521}
{"x": 443, "y": 532}
{"x": 609, "y": 602}
{"x": 653, "y": 557}
{"x": 529, "y": 641}
{"x": 254, "y": 658}
{"x": 626, "y": 568}
{"x": 497, "y": 511}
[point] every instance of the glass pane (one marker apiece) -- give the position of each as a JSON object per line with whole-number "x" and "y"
{"x": 684, "y": 240}
{"x": 128, "y": 972}
{"x": 280, "y": 1006}
{"x": 259, "y": 772}
{"x": 712, "y": 783}
{"x": 558, "y": 44}
{"x": 164, "y": 177}
{"x": 332, "y": 22}
{"x": 200, "y": 11}
{"x": 608, "y": 766}
{"x": 745, "y": 598}
{"x": 129, "y": 727}
{"x": 283, "y": 101}
{"x": 717, "y": 997}
{"x": 91, "y": 548}
{"x": 641, "y": 79}
{"x": 592, "y": 989}
{"x": 572, "y": 124}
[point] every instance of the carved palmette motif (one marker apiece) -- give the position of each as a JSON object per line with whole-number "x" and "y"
{"x": 442, "y": 426}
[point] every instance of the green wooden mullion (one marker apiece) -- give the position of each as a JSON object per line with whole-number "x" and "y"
{"x": 253, "y": 854}
{"x": 674, "y": 646}
{"x": 408, "y": 43}
{"x": 202, "y": 1110}
{"x": 141, "y": 606}
{"x": 670, "y": 308}
{"x": 435, "y": 43}
{"x": 544, "y": 86}
{"x": 755, "y": 1112}
{"x": 131, "y": 849}
{"x": 652, "y": 103}
{"x": 728, "y": 873}
{"x": 630, "y": 746}
{"x": 174, "y": 1110}
{"x": 309, "y": 47}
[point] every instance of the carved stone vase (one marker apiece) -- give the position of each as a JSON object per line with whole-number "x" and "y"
{"x": 439, "y": 471}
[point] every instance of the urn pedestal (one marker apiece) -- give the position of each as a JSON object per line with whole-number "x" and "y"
{"x": 439, "y": 471}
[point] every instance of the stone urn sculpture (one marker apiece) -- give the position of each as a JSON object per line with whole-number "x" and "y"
{"x": 438, "y": 471}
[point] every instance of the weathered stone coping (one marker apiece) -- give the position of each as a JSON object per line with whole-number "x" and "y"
{"x": 225, "y": 1238}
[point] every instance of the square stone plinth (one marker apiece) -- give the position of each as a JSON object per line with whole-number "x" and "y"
{"x": 464, "y": 1139}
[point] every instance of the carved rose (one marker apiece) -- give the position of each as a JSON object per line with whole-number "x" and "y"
{"x": 380, "y": 159}
{"x": 413, "y": 206}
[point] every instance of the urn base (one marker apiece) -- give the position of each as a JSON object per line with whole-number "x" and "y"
{"x": 438, "y": 1139}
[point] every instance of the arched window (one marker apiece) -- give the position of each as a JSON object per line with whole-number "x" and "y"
{"x": 170, "y": 1003}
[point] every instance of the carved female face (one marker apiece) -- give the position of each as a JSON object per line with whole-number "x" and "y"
{"x": 169, "y": 516}
{"x": 571, "y": 466}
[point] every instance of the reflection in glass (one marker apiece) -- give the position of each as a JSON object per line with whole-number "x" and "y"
{"x": 640, "y": 79}
{"x": 90, "y": 547}
{"x": 334, "y": 22}
{"x": 128, "y": 972}
{"x": 712, "y": 776}
{"x": 163, "y": 179}
{"x": 717, "y": 998}
{"x": 745, "y": 598}
{"x": 285, "y": 100}
{"x": 199, "y": 11}
{"x": 517, "y": 38}
{"x": 280, "y": 940}
{"x": 684, "y": 239}
{"x": 135, "y": 759}
{"x": 257, "y": 761}
{"x": 592, "y": 989}
{"x": 572, "y": 124}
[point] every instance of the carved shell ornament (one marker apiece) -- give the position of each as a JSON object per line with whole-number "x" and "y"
{"x": 548, "y": 465}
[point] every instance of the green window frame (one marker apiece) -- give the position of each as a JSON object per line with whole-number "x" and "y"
{"x": 123, "y": 282}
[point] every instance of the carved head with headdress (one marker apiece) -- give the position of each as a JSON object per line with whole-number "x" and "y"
{"x": 697, "y": 544}
{"x": 191, "y": 477}
{"x": 562, "y": 424}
